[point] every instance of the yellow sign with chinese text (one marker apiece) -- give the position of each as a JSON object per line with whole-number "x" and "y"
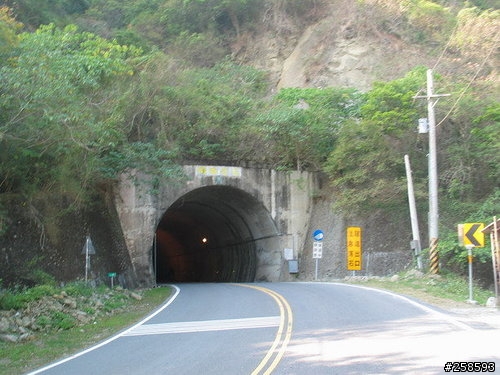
{"x": 354, "y": 249}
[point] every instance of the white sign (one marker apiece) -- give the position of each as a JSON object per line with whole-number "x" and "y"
{"x": 317, "y": 250}
{"x": 288, "y": 254}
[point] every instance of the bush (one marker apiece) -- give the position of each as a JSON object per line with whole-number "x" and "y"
{"x": 115, "y": 302}
{"x": 42, "y": 277}
{"x": 78, "y": 288}
{"x": 43, "y": 321}
{"x": 37, "y": 292}
{"x": 10, "y": 301}
{"x": 62, "y": 320}
{"x": 432, "y": 21}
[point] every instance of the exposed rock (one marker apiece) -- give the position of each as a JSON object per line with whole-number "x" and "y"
{"x": 43, "y": 315}
{"x": 4, "y": 325}
{"x": 70, "y": 302}
{"x": 136, "y": 296}
{"x": 491, "y": 302}
{"x": 26, "y": 322}
{"x": 9, "y": 338}
{"x": 414, "y": 273}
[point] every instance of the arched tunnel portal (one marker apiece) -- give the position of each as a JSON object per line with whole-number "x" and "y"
{"x": 213, "y": 234}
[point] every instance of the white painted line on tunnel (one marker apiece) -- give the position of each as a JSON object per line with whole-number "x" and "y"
{"x": 204, "y": 326}
{"x": 113, "y": 338}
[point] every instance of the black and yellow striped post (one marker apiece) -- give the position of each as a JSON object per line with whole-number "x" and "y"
{"x": 434, "y": 256}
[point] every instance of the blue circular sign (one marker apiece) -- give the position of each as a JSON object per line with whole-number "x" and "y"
{"x": 318, "y": 235}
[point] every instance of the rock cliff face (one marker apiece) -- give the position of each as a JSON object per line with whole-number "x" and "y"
{"x": 45, "y": 235}
{"x": 339, "y": 47}
{"x": 347, "y": 43}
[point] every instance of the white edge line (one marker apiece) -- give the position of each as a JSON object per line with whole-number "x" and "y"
{"x": 427, "y": 309}
{"x": 112, "y": 338}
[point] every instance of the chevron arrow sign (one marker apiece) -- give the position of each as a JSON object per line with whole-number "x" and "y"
{"x": 473, "y": 235}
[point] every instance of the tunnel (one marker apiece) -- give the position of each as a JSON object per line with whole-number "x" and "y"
{"x": 213, "y": 234}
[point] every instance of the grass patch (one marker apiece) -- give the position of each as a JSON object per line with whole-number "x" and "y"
{"x": 47, "y": 347}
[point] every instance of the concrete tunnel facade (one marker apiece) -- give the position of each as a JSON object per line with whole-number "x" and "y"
{"x": 223, "y": 224}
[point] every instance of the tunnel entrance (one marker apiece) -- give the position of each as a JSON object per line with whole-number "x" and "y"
{"x": 213, "y": 234}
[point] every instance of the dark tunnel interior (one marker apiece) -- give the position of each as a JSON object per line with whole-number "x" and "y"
{"x": 211, "y": 234}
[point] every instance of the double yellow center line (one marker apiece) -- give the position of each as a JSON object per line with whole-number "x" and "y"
{"x": 278, "y": 348}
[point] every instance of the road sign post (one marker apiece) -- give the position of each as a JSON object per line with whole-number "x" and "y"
{"x": 112, "y": 276}
{"x": 88, "y": 249}
{"x": 469, "y": 259}
{"x": 317, "y": 249}
{"x": 471, "y": 235}
{"x": 317, "y": 255}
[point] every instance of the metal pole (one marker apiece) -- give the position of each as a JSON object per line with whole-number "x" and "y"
{"x": 495, "y": 251}
{"x": 86, "y": 259}
{"x": 433, "y": 179}
{"x": 413, "y": 213}
{"x": 433, "y": 175}
{"x": 469, "y": 259}
{"x": 155, "y": 259}
{"x": 316, "y": 271}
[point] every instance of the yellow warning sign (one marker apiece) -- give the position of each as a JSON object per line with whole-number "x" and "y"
{"x": 473, "y": 234}
{"x": 354, "y": 250}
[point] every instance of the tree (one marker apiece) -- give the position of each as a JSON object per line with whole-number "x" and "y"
{"x": 57, "y": 117}
{"x": 477, "y": 32}
{"x": 470, "y": 159}
{"x": 366, "y": 165}
{"x": 9, "y": 29}
{"x": 34, "y": 13}
{"x": 232, "y": 9}
{"x": 209, "y": 107}
{"x": 301, "y": 125}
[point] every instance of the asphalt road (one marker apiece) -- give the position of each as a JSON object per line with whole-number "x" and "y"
{"x": 288, "y": 328}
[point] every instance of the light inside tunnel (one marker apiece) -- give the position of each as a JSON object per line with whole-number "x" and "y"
{"x": 212, "y": 234}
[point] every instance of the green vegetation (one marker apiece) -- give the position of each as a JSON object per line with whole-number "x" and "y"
{"x": 155, "y": 84}
{"x": 447, "y": 290}
{"x": 67, "y": 335}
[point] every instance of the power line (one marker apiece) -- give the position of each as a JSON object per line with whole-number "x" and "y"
{"x": 493, "y": 47}
{"x": 445, "y": 47}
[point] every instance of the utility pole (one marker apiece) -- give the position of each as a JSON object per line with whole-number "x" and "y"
{"x": 413, "y": 214}
{"x": 433, "y": 175}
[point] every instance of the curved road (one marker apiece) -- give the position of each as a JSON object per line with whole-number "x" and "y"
{"x": 287, "y": 328}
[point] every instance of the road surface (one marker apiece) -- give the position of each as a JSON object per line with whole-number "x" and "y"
{"x": 288, "y": 328}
